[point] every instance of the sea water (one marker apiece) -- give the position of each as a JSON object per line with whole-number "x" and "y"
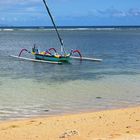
{"x": 30, "y": 89}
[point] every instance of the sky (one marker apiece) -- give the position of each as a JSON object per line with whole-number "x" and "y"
{"x": 70, "y": 12}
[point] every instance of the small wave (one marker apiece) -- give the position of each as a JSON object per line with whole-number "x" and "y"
{"x": 101, "y": 29}
{"x": 60, "y": 29}
{"x": 7, "y": 29}
{"x": 89, "y": 28}
{"x": 71, "y": 29}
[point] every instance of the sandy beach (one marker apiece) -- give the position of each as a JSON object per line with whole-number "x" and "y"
{"x": 121, "y": 124}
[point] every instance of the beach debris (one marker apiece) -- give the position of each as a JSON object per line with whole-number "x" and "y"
{"x": 74, "y": 121}
{"x": 12, "y": 126}
{"x": 69, "y": 133}
{"x": 32, "y": 121}
{"x": 98, "y": 97}
{"x": 39, "y": 123}
{"x": 46, "y": 110}
{"x": 128, "y": 126}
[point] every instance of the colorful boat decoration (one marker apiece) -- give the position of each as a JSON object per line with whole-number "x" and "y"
{"x": 51, "y": 55}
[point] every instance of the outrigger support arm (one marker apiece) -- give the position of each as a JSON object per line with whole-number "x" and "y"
{"x": 77, "y": 51}
{"x": 53, "y": 49}
{"x": 23, "y": 51}
{"x": 47, "y": 8}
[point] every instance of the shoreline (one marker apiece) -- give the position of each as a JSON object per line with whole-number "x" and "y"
{"x": 117, "y": 124}
{"x": 67, "y": 113}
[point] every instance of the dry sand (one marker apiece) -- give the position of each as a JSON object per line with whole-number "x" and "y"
{"x": 122, "y": 124}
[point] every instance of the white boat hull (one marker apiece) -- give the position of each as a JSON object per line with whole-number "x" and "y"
{"x": 35, "y": 60}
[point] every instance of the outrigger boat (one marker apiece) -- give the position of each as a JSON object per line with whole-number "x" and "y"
{"x": 53, "y": 57}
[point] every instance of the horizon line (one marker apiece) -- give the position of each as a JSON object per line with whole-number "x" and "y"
{"x": 66, "y": 26}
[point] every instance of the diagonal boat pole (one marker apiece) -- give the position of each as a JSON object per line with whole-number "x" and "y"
{"x": 60, "y": 39}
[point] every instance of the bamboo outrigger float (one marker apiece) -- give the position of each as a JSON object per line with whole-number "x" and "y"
{"x": 53, "y": 57}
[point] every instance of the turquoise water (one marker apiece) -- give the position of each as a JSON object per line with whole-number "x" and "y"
{"x": 32, "y": 89}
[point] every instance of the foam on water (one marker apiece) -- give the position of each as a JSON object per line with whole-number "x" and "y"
{"x": 70, "y": 28}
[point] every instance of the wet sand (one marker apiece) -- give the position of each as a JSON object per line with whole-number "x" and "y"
{"x": 121, "y": 124}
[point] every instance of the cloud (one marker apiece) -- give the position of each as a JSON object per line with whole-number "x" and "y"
{"x": 133, "y": 12}
{"x": 16, "y": 5}
{"x": 33, "y": 11}
{"x": 112, "y": 12}
{"x": 20, "y": 11}
{"x": 2, "y": 18}
{"x": 22, "y": 7}
{"x": 13, "y": 2}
